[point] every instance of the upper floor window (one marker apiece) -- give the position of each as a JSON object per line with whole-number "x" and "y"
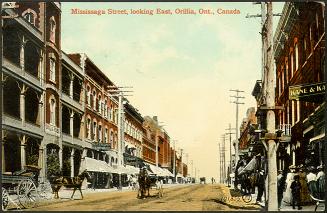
{"x": 105, "y": 108}
{"x": 52, "y": 64}
{"x": 94, "y": 130}
{"x": 286, "y": 72}
{"x": 52, "y": 111}
{"x": 88, "y": 95}
{"x": 100, "y": 133}
{"x": 52, "y": 29}
{"x": 106, "y": 135}
{"x": 88, "y": 128}
{"x": 296, "y": 57}
{"x": 94, "y": 100}
{"x": 30, "y": 16}
{"x": 292, "y": 63}
{"x": 100, "y": 104}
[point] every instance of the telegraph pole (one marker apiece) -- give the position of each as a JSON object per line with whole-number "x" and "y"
{"x": 174, "y": 165}
{"x": 230, "y": 152}
{"x": 119, "y": 92}
{"x": 236, "y": 102}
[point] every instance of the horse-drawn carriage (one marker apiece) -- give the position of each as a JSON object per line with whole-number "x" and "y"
{"x": 23, "y": 186}
{"x": 148, "y": 182}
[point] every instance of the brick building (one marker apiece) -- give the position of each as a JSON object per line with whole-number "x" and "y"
{"x": 299, "y": 44}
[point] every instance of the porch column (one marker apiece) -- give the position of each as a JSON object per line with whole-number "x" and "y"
{"x": 23, "y": 140}
{"x": 71, "y": 85}
{"x": 40, "y": 115}
{"x": 23, "y": 90}
{"x": 22, "y": 53}
{"x": 41, "y": 162}
{"x": 72, "y": 162}
{"x": 71, "y": 123}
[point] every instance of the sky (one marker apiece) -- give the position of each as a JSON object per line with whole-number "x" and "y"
{"x": 181, "y": 66}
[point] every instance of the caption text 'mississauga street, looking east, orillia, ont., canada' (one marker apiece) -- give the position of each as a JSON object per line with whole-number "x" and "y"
{"x": 156, "y": 11}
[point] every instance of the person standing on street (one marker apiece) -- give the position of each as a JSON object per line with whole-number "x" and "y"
{"x": 261, "y": 186}
{"x": 296, "y": 191}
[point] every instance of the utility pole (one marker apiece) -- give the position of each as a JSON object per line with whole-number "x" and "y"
{"x": 236, "y": 102}
{"x": 182, "y": 165}
{"x": 118, "y": 92}
{"x": 268, "y": 96}
{"x": 220, "y": 170}
{"x": 230, "y": 152}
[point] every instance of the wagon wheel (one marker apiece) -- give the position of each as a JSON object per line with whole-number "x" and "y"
{"x": 27, "y": 194}
{"x": 5, "y": 199}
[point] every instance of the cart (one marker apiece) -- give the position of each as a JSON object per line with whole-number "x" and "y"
{"x": 22, "y": 186}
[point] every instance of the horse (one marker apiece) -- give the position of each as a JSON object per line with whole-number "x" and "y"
{"x": 146, "y": 182}
{"x": 70, "y": 182}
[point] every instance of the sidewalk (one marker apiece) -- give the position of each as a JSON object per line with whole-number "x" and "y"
{"x": 286, "y": 207}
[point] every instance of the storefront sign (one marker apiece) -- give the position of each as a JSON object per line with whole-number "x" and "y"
{"x": 101, "y": 146}
{"x": 304, "y": 91}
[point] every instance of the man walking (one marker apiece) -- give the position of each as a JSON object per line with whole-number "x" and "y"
{"x": 281, "y": 179}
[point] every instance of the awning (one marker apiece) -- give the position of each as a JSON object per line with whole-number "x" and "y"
{"x": 131, "y": 170}
{"x": 318, "y": 137}
{"x": 179, "y": 175}
{"x": 168, "y": 173}
{"x": 95, "y": 165}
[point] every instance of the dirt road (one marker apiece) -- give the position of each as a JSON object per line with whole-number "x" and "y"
{"x": 185, "y": 197}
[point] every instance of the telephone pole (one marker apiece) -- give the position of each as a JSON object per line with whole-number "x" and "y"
{"x": 236, "y": 102}
{"x": 230, "y": 152}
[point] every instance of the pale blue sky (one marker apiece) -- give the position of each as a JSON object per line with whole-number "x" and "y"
{"x": 181, "y": 66}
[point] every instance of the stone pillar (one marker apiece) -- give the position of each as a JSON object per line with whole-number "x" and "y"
{"x": 41, "y": 162}
{"x": 72, "y": 162}
{"x": 23, "y": 140}
{"x": 40, "y": 116}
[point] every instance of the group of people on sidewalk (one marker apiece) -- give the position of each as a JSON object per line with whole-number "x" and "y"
{"x": 296, "y": 186}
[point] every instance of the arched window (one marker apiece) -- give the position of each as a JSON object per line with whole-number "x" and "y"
{"x": 100, "y": 104}
{"x": 106, "y": 135}
{"x": 100, "y": 133}
{"x": 88, "y": 95}
{"x": 52, "y": 68}
{"x": 52, "y": 29}
{"x": 94, "y": 130}
{"x": 52, "y": 103}
{"x": 296, "y": 57}
{"x": 94, "y": 99}
{"x": 111, "y": 136}
{"x": 30, "y": 16}
{"x": 88, "y": 128}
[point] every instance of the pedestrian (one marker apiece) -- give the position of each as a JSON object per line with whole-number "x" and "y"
{"x": 305, "y": 194}
{"x": 312, "y": 182}
{"x": 281, "y": 180}
{"x": 296, "y": 191}
{"x": 287, "y": 197}
{"x": 261, "y": 186}
{"x": 212, "y": 180}
{"x": 321, "y": 182}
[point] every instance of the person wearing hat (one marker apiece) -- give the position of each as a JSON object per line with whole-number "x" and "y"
{"x": 287, "y": 198}
{"x": 321, "y": 182}
{"x": 296, "y": 191}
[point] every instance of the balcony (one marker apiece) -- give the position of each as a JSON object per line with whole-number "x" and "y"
{"x": 72, "y": 102}
{"x": 286, "y": 132}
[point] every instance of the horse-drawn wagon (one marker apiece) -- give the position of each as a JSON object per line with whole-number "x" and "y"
{"x": 23, "y": 186}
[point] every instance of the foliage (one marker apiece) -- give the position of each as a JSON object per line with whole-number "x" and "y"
{"x": 32, "y": 159}
{"x": 53, "y": 165}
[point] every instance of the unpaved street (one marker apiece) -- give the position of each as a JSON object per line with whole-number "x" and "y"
{"x": 184, "y": 197}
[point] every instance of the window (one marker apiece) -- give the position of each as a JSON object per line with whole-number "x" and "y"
{"x": 296, "y": 57}
{"x": 88, "y": 128}
{"x": 29, "y": 17}
{"x": 282, "y": 79}
{"x": 286, "y": 73}
{"x": 111, "y": 136}
{"x": 94, "y": 100}
{"x": 106, "y": 135}
{"x": 88, "y": 95}
{"x": 105, "y": 108}
{"x": 100, "y": 133}
{"x": 99, "y": 104}
{"x": 53, "y": 111}
{"x": 292, "y": 66}
{"x": 94, "y": 130}
{"x": 52, "y": 69}
{"x": 52, "y": 29}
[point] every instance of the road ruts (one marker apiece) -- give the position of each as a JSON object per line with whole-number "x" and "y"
{"x": 197, "y": 197}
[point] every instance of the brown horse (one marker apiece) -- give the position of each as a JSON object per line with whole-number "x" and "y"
{"x": 70, "y": 182}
